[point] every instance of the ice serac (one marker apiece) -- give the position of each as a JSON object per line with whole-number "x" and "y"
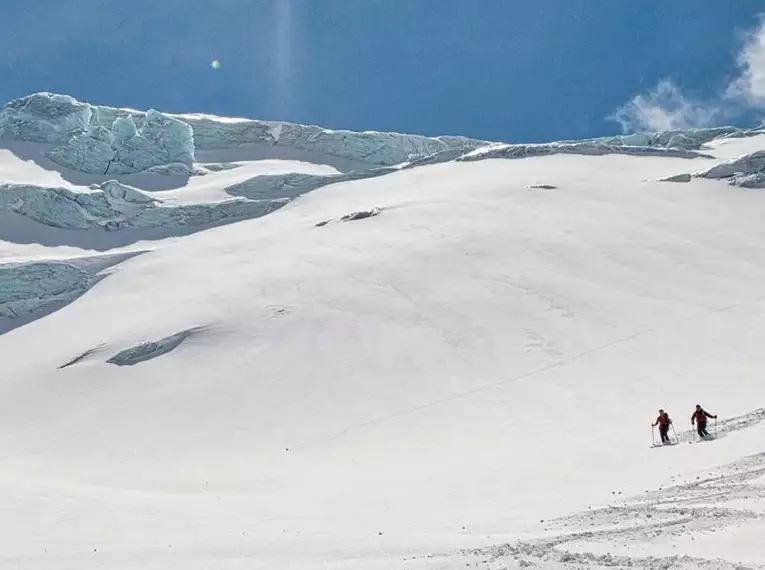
{"x": 29, "y": 287}
{"x": 115, "y": 206}
{"x": 689, "y": 139}
{"x": 124, "y": 148}
{"x": 591, "y": 148}
{"x": 380, "y": 149}
{"x": 57, "y": 207}
{"x": 32, "y": 289}
{"x": 115, "y": 190}
{"x": 44, "y": 118}
{"x": 372, "y": 148}
{"x": 747, "y": 171}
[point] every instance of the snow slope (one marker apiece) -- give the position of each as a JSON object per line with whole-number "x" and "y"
{"x": 466, "y": 377}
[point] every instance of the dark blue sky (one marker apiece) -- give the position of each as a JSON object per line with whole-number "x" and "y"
{"x": 519, "y": 70}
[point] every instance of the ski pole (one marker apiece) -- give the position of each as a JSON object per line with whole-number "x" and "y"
{"x": 677, "y": 439}
{"x": 653, "y": 436}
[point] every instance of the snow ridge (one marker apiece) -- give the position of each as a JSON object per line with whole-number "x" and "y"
{"x": 108, "y": 140}
{"x": 591, "y": 148}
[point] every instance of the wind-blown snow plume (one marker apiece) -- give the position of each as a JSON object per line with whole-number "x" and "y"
{"x": 750, "y": 86}
{"x": 667, "y": 107}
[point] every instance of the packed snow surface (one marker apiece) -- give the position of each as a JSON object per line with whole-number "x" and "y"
{"x": 288, "y": 354}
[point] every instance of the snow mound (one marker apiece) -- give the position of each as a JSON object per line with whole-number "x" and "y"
{"x": 116, "y": 206}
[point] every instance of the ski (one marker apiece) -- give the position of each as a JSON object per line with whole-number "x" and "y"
{"x": 671, "y": 444}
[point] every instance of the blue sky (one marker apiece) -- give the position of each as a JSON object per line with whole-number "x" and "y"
{"x": 516, "y": 70}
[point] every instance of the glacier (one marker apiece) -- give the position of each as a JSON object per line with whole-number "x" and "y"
{"x": 114, "y": 143}
{"x": 283, "y": 390}
{"x": 108, "y": 140}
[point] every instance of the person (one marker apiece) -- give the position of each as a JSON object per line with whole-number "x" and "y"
{"x": 699, "y": 417}
{"x": 663, "y": 421}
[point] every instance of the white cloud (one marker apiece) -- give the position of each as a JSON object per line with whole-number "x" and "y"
{"x": 666, "y": 107}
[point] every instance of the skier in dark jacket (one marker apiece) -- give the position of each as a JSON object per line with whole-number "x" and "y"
{"x": 663, "y": 421}
{"x": 699, "y": 417}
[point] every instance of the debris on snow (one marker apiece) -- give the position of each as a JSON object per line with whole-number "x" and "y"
{"x": 361, "y": 215}
{"x": 353, "y": 216}
{"x": 542, "y": 187}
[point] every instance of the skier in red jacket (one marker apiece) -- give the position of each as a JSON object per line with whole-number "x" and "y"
{"x": 699, "y": 417}
{"x": 663, "y": 421}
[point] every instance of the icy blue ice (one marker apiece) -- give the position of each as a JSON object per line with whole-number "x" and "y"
{"x": 123, "y": 148}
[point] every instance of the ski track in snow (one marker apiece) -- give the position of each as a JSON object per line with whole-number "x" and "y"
{"x": 684, "y": 437}
{"x": 686, "y": 510}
